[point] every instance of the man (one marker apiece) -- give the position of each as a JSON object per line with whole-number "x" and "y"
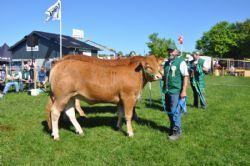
{"x": 197, "y": 69}
{"x": 25, "y": 77}
{"x": 175, "y": 86}
{"x": 2, "y": 77}
{"x": 11, "y": 80}
{"x": 42, "y": 78}
{"x": 47, "y": 66}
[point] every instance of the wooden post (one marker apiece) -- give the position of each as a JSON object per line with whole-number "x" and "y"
{"x": 35, "y": 75}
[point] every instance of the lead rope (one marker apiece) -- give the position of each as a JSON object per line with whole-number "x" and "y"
{"x": 164, "y": 91}
{"x": 163, "y": 96}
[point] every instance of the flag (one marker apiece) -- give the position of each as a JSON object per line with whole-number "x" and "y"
{"x": 180, "y": 39}
{"x": 54, "y": 11}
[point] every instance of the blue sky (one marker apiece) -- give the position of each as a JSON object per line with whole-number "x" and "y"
{"x": 122, "y": 24}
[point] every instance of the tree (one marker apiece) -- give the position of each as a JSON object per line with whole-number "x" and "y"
{"x": 227, "y": 40}
{"x": 243, "y": 31}
{"x": 219, "y": 40}
{"x": 158, "y": 46}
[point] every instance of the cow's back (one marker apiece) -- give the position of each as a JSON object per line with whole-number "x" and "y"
{"x": 111, "y": 62}
{"x": 96, "y": 83}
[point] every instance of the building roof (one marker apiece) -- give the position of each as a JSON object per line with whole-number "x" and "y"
{"x": 5, "y": 54}
{"x": 67, "y": 41}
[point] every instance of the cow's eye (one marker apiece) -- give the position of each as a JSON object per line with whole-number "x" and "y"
{"x": 149, "y": 68}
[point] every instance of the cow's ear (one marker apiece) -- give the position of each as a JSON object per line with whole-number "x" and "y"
{"x": 139, "y": 67}
{"x": 160, "y": 60}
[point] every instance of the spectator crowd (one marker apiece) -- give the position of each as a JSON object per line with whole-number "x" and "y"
{"x": 24, "y": 79}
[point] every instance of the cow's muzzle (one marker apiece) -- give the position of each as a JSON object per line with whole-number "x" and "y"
{"x": 154, "y": 76}
{"x": 157, "y": 76}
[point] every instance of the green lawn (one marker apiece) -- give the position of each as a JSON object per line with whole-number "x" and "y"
{"x": 218, "y": 136}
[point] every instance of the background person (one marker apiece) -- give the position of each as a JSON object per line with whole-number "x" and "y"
{"x": 2, "y": 77}
{"x": 175, "y": 86}
{"x": 197, "y": 69}
{"x": 31, "y": 67}
{"x": 25, "y": 78}
{"x": 47, "y": 66}
{"x": 11, "y": 80}
{"x": 42, "y": 78}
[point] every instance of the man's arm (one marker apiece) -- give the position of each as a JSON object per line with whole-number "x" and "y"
{"x": 8, "y": 77}
{"x": 184, "y": 87}
{"x": 205, "y": 67}
{"x": 184, "y": 73}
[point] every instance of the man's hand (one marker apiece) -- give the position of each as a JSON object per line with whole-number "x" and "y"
{"x": 183, "y": 94}
{"x": 192, "y": 74}
{"x": 205, "y": 69}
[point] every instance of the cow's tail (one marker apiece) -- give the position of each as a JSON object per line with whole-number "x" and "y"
{"x": 48, "y": 111}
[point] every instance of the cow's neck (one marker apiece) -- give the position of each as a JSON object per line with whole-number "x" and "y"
{"x": 144, "y": 80}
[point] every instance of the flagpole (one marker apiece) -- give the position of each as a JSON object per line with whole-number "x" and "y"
{"x": 181, "y": 48}
{"x": 60, "y": 28}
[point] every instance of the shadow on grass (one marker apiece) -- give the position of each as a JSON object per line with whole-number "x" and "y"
{"x": 98, "y": 121}
{"x": 155, "y": 104}
{"x": 152, "y": 124}
{"x": 99, "y": 109}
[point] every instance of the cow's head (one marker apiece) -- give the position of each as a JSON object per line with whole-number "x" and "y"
{"x": 152, "y": 68}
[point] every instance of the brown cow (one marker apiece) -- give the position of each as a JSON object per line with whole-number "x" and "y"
{"x": 73, "y": 79}
{"x": 104, "y": 62}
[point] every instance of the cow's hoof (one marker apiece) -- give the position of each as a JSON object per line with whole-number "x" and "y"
{"x": 118, "y": 128}
{"x": 56, "y": 139}
{"x": 80, "y": 133}
{"x": 130, "y": 135}
{"x": 83, "y": 115}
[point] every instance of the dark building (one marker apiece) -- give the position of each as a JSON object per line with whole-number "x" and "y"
{"x": 5, "y": 54}
{"x": 47, "y": 46}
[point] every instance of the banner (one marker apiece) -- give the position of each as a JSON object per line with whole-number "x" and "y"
{"x": 54, "y": 12}
{"x": 180, "y": 39}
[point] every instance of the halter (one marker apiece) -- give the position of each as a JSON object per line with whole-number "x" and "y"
{"x": 152, "y": 75}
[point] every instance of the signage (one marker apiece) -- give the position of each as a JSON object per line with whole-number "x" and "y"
{"x": 78, "y": 34}
{"x": 36, "y": 48}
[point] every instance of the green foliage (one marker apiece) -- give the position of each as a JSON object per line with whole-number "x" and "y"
{"x": 218, "y": 41}
{"x": 218, "y": 136}
{"x": 226, "y": 40}
{"x": 158, "y": 46}
{"x": 243, "y": 49}
{"x": 119, "y": 53}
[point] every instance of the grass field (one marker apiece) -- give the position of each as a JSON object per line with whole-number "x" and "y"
{"x": 218, "y": 136}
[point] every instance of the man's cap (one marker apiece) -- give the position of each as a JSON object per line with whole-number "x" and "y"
{"x": 172, "y": 46}
{"x": 196, "y": 53}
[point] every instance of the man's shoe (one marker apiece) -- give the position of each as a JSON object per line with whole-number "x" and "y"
{"x": 195, "y": 106}
{"x": 1, "y": 95}
{"x": 175, "y": 135}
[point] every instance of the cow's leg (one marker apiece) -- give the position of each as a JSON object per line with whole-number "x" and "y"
{"x": 55, "y": 114}
{"x": 135, "y": 116}
{"x": 120, "y": 115}
{"x": 56, "y": 110}
{"x": 70, "y": 112}
{"x": 128, "y": 109}
{"x": 78, "y": 108}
